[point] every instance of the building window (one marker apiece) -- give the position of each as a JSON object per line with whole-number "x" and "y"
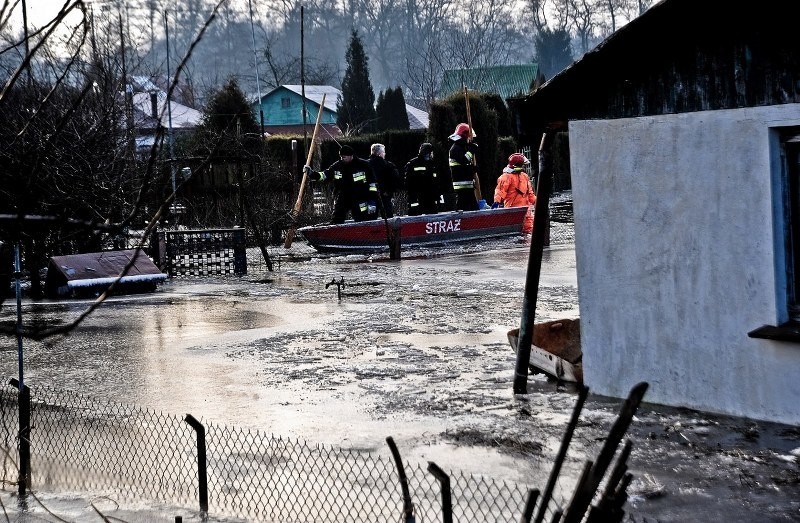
{"x": 286, "y": 102}
{"x": 787, "y": 247}
{"x": 791, "y": 211}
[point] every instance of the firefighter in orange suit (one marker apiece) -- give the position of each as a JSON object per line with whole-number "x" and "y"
{"x": 514, "y": 189}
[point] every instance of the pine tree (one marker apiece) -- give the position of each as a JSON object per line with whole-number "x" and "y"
{"x": 391, "y": 110}
{"x": 228, "y": 126}
{"x": 356, "y": 110}
{"x": 228, "y": 112}
{"x": 381, "y": 114}
{"x": 399, "y": 118}
{"x": 553, "y": 50}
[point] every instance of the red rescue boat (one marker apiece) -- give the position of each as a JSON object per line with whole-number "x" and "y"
{"x": 417, "y": 231}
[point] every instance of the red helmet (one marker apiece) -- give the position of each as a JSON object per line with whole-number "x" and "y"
{"x": 462, "y": 131}
{"x": 517, "y": 159}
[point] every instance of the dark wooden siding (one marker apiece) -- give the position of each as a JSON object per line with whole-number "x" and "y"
{"x": 681, "y": 56}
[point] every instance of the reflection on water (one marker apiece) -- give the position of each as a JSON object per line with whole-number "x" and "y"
{"x": 291, "y": 359}
{"x": 165, "y": 350}
{"x": 194, "y": 321}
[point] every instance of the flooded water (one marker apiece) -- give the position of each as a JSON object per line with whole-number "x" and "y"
{"x": 414, "y": 349}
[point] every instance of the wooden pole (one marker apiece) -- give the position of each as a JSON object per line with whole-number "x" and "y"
{"x": 475, "y": 179}
{"x": 299, "y": 203}
{"x": 540, "y": 213}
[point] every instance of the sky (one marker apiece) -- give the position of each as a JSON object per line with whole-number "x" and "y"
{"x": 40, "y": 12}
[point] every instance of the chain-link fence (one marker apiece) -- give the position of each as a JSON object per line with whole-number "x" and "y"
{"x": 78, "y": 444}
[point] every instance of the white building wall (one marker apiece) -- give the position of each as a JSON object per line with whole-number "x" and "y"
{"x": 674, "y": 245}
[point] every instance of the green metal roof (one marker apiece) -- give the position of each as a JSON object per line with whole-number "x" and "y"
{"x": 505, "y": 80}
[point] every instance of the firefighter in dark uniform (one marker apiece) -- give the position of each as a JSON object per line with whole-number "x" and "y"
{"x": 354, "y": 186}
{"x": 387, "y": 176}
{"x": 462, "y": 168}
{"x": 422, "y": 183}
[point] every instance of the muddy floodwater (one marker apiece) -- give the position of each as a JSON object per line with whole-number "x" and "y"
{"x": 347, "y": 350}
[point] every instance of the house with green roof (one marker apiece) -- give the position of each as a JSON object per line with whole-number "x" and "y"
{"x": 504, "y": 80}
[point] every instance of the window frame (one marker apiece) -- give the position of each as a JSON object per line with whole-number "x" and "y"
{"x": 786, "y": 203}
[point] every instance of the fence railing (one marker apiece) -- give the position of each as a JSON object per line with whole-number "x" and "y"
{"x": 79, "y": 444}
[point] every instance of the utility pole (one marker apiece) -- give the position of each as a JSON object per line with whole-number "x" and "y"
{"x": 169, "y": 121}
{"x": 255, "y": 59}
{"x": 303, "y": 78}
{"x": 127, "y": 89}
{"x": 25, "y": 36}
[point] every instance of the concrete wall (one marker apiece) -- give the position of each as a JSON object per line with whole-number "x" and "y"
{"x": 676, "y": 258}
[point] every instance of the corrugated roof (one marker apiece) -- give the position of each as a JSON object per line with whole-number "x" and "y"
{"x": 417, "y": 119}
{"x": 504, "y": 80}
{"x": 315, "y": 92}
{"x": 183, "y": 117}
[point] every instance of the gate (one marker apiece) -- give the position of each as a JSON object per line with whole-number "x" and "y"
{"x": 209, "y": 252}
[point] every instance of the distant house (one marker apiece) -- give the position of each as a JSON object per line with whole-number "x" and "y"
{"x": 685, "y": 163}
{"x": 504, "y": 80}
{"x": 150, "y": 109}
{"x": 283, "y": 110}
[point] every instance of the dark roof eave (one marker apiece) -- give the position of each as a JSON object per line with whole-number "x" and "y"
{"x": 556, "y": 92}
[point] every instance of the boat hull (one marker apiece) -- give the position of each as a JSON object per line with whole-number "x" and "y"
{"x": 417, "y": 231}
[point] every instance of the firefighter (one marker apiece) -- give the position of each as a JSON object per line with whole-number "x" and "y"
{"x": 422, "y": 183}
{"x": 514, "y": 189}
{"x": 462, "y": 167}
{"x": 354, "y": 186}
{"x": 387, "y": 176}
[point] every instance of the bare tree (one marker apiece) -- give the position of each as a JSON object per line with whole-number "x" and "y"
{"x": 584, "y": 18}
{"x": 65, "y": 180}
{"x": 425, "y": 23}
{"x": 379, "y": 20}
{"x": 615, "y": 12}
{"x": 484, "y": 36}
{"x": 424, "y": 71}
{"x": 644, "y": 5}
{"x": 281, "y": 66}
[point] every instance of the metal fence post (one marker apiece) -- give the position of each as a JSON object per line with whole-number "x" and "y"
{"x": 171, "y": 250}
{"x": 239, "y": 251}
{"x": 408, "y": 506}
{"x": 24, "y": 436}
{"x": 202, "y": 470}
{"x": 447, "y": 500}
{"x": 530, "y": 505}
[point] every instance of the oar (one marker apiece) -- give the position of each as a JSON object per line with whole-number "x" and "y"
{"x": 476, "y": 180}
{"x": 299, "y": 203}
